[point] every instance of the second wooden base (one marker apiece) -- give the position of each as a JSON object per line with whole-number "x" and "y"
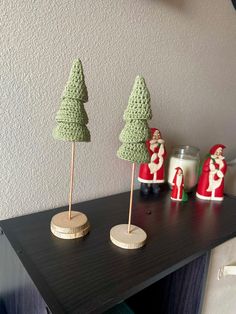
{"x": 135, "y": 239}
{"x": 65, "y": 228}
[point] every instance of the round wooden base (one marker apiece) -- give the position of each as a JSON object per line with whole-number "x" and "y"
{"x": 76, "y": 227}
{"x": 135, "y": 239}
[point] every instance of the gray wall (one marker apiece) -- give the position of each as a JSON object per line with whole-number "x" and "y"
{"x": 186, "y": 50}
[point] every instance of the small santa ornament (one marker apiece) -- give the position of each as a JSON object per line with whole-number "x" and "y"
{"x": 211, "y": 181}
{"x": 153, "y": 173}
{"x": 177, "y": 192}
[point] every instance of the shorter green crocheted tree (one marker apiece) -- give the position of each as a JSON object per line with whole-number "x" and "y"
{"x": 133, "y": 137}
{"x": 72, "y": 117}
{"x": 136, "y": 130}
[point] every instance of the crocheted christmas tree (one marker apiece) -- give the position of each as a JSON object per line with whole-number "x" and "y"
{"x": 136, "y": 130}
{"x": 72, "y": 117}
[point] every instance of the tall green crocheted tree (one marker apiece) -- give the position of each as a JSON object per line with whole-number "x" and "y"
{"x": 134, "y": 149}
{"x": 71, "y": 126}
{"x": 136, "y": 130}
{"x": 72, "y": 117}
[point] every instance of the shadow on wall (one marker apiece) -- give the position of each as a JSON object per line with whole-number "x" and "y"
{"x": 234, "y": 3}
{"x": 178, "y": 4}
{"x": 172, "y": 141}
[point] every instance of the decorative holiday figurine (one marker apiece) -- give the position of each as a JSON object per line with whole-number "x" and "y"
{"x": 153, "y": 172}
{"x": 211, "y": 181}
{"x": 177, "y": 192}
{"x": 133, "y": 149}
{"x": 71, "y": 127}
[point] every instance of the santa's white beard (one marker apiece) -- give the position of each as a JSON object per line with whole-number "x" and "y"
{"x": 179, "y": 180}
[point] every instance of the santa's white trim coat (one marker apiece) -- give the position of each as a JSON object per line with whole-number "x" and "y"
{"x": 177, "y": 185}
{"x": 211, "y": 181}
{"x": 153, "y": 172}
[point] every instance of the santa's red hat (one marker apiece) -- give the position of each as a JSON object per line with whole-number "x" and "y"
{"x": 215, "y": 147}
{"x": 153, "y": 130}
{"x": 178, "y": 168}
{"x": 176, "y": 174}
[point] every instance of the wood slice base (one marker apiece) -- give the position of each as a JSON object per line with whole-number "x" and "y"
{"x": 135, "y": 239}
{"x": 76, "y": 227}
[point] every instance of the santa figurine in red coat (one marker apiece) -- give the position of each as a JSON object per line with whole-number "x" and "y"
{"x": 152, "y": 174}
{"x": 211, "y": 181}
{"x": 178, "y": 185}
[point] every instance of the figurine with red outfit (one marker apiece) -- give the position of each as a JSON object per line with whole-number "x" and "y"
{"x": 153, "y": 173}
{"x": 178, "y": 185}
{"x": 211, "y": 181}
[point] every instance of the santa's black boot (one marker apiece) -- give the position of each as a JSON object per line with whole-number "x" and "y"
{"x": 155, "y": 188}
{"x": 144, "y": 188}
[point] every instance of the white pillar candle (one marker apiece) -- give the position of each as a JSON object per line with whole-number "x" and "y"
{"x": 190, "y": 170}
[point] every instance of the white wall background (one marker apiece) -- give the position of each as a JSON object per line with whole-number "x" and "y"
{"x": 186, "y": 50}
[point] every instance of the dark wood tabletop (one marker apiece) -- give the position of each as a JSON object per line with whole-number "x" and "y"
{"x": 91, "y": 274}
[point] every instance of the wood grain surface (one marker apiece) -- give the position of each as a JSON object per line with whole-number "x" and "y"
{"x": 91, "y": 274}
{"x": 134, "y": 239}
{"x": 74, "y": 227}
{"x": 178, "y": 293}
{"x": 18, "y": 294}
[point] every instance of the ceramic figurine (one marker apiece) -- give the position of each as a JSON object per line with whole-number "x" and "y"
{"x": 71, "y": 127}
{"x": 134, "y": 149}
{"x": 152, "y": 173}
{"x": 177, "y": 192}
{"x": 211, "y": 181}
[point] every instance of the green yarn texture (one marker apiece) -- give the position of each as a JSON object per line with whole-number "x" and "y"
{"x": 134, "y": 152}
{"x": 75, "y": 87}
{"x": 139, "y": 102}
{"x": 72, "y": 118}
{"x": 136, "y": 130}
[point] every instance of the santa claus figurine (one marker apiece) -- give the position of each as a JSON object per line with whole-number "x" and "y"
{"x": 151, "y": 174}
{"x": 178, "y": 185}
{"x": 211, "y": 181}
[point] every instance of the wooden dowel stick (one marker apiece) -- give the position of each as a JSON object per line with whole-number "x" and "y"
{"x": 71, "y": 177}
{"x": 131, "y": 196}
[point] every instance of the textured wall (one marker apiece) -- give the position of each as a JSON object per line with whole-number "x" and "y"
{"x": 185, "y": 50}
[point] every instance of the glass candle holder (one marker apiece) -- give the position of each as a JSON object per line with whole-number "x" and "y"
{"x": 188, "y": 158}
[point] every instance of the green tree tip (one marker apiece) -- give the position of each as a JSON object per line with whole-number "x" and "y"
{"x": 140, "y": 84}
{"x": 71, "y": 117}
{"x": 139, "y": 80}
{"x": 136, "y": 130}
{"x": 139, "y": 101}
{"x": 75, "y": 87}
